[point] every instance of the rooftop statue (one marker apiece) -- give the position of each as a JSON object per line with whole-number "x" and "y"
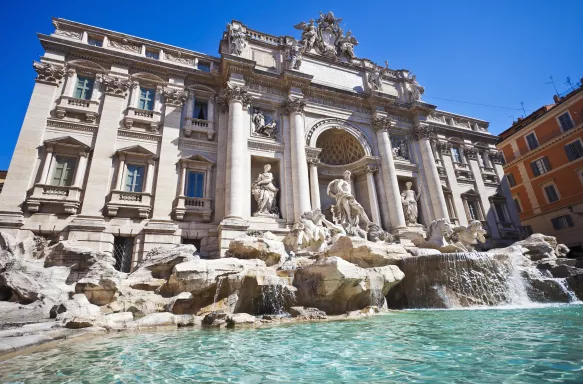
{"x": 236, "y": 39}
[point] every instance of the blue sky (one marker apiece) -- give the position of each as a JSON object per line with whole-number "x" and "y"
{"x": 498, "y": 53}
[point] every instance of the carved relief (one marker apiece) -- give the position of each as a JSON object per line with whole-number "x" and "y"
{"x": 237, "y": 93}
{"x": 400, "y": 148}
{"x": 444, "y": 147}
{"x": 48, "y": 72}
{"x": 293, "y": 104}
{"x": 115, "y": 86}
{"x": 179, "y": 59}
{"x": 124, "y": 45}
{"x": 293, "y": 56}
{"x": 264, "y": 125}
{"x": 175, "y": 97}
{"x": 420, "y": 131}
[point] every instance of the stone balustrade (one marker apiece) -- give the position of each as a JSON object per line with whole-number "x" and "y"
{"x": 64, "y": 199}
{"x": 192, "y": 124}
{"x": 142, "y": 116}
{"x": 196, "y": 205}
{"x": 67, "y": 104}
{"x": 136, "y": 201}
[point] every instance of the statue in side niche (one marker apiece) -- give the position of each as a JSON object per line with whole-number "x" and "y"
{"x": 264, "y": 192}
{"x": 409, "y": 199}
{"x": 261, "y": 127}
{"x": 352, "y": 215}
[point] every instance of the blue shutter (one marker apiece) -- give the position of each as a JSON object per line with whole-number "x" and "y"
{"x": 190, "y": 185}
{"x": 535, "y": 170}
{"x": 569, "y": 152}
{"x": 547, "y": 164}
{"x": 556, "y": 224}
{"x": 199, "y": 191}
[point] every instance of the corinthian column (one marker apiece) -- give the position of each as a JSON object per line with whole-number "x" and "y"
{"x": 420, "y": 132}
{"x": 314, "y": 184}
{"x": 372, "y": 193}
{"x": 237, "y": 158}
{"x": 301, "y": 187}
{"x": 389, "y": 173}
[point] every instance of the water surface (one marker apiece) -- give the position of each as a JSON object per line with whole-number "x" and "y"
{"x": 533, "y": 345}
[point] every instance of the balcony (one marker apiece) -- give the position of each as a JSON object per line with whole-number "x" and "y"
{"x": 490, "y": 179}
{"x": 142, "y": 116}
{"x": 197, "y": 125}
{"x": 66, "y": 199}
{"x": 139, "y": 202}
{"x": 89, "y": 108}
{"x": 196, "y": 205}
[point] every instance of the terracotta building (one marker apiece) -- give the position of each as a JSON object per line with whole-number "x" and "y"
{"x": 543, "y": 156}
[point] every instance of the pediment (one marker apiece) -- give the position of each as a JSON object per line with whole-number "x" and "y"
{"x": 86, "y": 65}
{"x": 136, "y": 150}
{"x": 148, "y": 77}
{"x": 470, "y": 192}
{"x": 67, "y": 141}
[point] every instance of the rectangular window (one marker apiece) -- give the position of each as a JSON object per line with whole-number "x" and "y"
{"x": 473, "y": 208}
{"x": 531, "y": 141}
{"x": 205, "y": 67}
{"x": 146, "y": 100}
{"x": 566, "y": 122}
{"x": 574, "y": 150}
{"x": 540, "y": 166}
{"x": 511, "y": 180}
{"x": 195, "y": 184}
{"x": 152, "y": 54}
{"x": 63, "y": 171}
{"x": 562, "y": 222}
{"x": 134, "y": 178}
{"x": 551, "y": 193}
{"x": 200, "y": 110}
{"x": 84, "y": 88}
{"x": 122, "y": 252}
{"x": 517, "y": 203}
{"x": 457, "y": 154}
{"x": 501, "y": 212}
{"x": 95, "y": 41}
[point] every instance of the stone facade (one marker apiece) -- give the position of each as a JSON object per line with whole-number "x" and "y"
{"x": 130, "y": 144}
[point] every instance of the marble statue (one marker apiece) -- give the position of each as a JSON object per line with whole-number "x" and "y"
{"x": 409, "y": 199}
{"x": 470, "y": 235}
{"x": 294, "y": 56}
{"x": 261, "y": 127}
{"x": 236, "y": 38}
{"x": 264, "y": 193}
{"x": 375, "y": 79}
{"x": 309, "y": 34}
{"x": 439, "y": 236}
{"x": 351, "y": 213}
{"x": 345, "y": 44}
{"x": 312, "y": 233}
{"x": 416, "y": 89}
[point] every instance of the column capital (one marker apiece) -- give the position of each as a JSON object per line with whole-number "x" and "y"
{"x": 313, "y": 161}
{"x": 83, "y": 154}
{"x": 151, "y": 162}
{"x": 71, "y": 71}
{"x": 381, "y": 123}
{"x": 115, "y": 86}
{"x": 420, "y": 131}
{"x": 371, "y": 168}
{"x": 294, "y": 105}
{"x": 48, "y": 73}
{"x": 236, "y": 93}
{"x": 444, "y": 147}
{"x": 497, "y": 157}
{"x": 222, "y": 104}
{"x": 471, "y": 152}
{"x": 174, "y": 97}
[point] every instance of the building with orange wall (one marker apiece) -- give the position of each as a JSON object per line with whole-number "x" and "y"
{"x": 543, "y": 156}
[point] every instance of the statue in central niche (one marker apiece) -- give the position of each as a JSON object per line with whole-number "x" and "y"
{"x": 351, "y": 214}
{"x": 409, "y": 199}
{"x": 264, "y": 192}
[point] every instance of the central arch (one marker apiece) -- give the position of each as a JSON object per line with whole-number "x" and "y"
{"x": 340, "y": 125}
{"x": 339, "y": 147}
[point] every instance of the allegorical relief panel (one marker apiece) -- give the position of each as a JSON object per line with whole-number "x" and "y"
{"x": 264, "y": 123}
{"x": 400, "y": 145}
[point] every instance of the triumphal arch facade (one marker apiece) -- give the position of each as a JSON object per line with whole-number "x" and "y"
{"x": 130, "y": 144}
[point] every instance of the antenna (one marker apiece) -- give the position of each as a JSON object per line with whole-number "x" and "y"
{"x": 523, "y": 111}
{"x": 553, "y": 83}
{"x": 569, "y": 82}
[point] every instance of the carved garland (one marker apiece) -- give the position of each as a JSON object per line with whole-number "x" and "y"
{"x": 116, "y": 87}
{"x": 420, "y": 131}
{"x": 48, "y": 73}
{"x": 471, "y": 152}
{"x": 175, "y": 97}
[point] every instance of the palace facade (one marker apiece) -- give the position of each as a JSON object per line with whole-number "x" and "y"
{"x": 130, "y": 144}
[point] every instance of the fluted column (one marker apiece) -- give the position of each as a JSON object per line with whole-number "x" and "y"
{"x": 44, "y": 178}
{"x": 182, "y": 181}
{"x": 237, "y": 98}
{"x": 420, "y": 132}
{"x": 372, "y": 193}
{"x": 301, "y": 187}
{"x": 134, "y": 94}
{"x": 389, "y": 173}
{"x": 81, "y": 167}
{"x": 314, "y": 183}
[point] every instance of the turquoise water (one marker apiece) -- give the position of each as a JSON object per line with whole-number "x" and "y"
{"x": 454, "y": 346}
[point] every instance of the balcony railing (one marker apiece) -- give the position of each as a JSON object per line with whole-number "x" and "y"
{"x": 66, "y": 104}
{"x": 150, "y": 118}
{"x": 197, "y": 205}
{"x": 206, "y": 127}
{"x": 138, "y": 202}
{"x": 67, "y": 198}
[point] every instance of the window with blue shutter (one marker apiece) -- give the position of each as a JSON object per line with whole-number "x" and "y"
{"x": 200, "y": 110}
{"x": 146, "y": 100}
{"x": 134, "y": 178}
{"x": 574, "y": 150}
{"x": 551, "y": 193}
{"x": 532, "y": 141}
{"x": 457, "y": 155}
{"x": 84, "y": 88}
{"x": 64, "y": 170}
{"x": 565, "y": 121}
{"x": 195, "y": 184}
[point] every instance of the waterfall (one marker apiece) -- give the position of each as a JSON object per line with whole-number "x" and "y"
{"x": 218, "y": 291}
{"x": 453, "y": 280}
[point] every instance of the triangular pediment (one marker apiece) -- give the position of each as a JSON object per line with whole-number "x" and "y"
{"x": 136, "y": 150}
{"x": 67, "y": 141}
{"x": 470, "y": 192}
{"x": 201, "y": 158}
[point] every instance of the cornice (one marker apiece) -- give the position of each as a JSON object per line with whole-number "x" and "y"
{"x": 264, "y": 146}
{"x": 461, "y": 132}
{"x": 71, "y": 126}
{"x": 138, "y": 135}
{"x": 203, "y": 145}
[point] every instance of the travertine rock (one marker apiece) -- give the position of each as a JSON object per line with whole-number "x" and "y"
{"x": 265, "y": 248}
{"x": 366, "y": 254}
{"x": 241, "y": 320}
{"x": 540, "y": 246}
{"x": 337, "y": 286}
{"x": 307, "y": 313}
{"x": 78, "y": 312}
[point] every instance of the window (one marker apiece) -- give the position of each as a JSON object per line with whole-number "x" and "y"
{"x": 205, "y": 67}
{"x": 540, "y": 166}
{"x": 146, "y": 100}
{"x": 517, "y": 203}
{"x": 562, "y": 222}
{"x": 122, "y": 252}
{"x": 152, "y": 54}
{"x": 95, "y": 41}
{"x": 200, "y": 110}
{"x": 63, "y": 171}
{"x": 195, "y": 184}
{"x": 134, "y": 178}
{"x": 84, "y": 88}
{"x": 511, "y": 180}
{"x": 473, "y": 209}
{"x": 565, "y": 121}
{"x": 531, "y": 141}
{"x": 501, "y": 212}
{"x": 457, "y": 154}
{"x": 528, "y": 229}
{"x": 551, "y": 193}
{"x": 574, "y": 150}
